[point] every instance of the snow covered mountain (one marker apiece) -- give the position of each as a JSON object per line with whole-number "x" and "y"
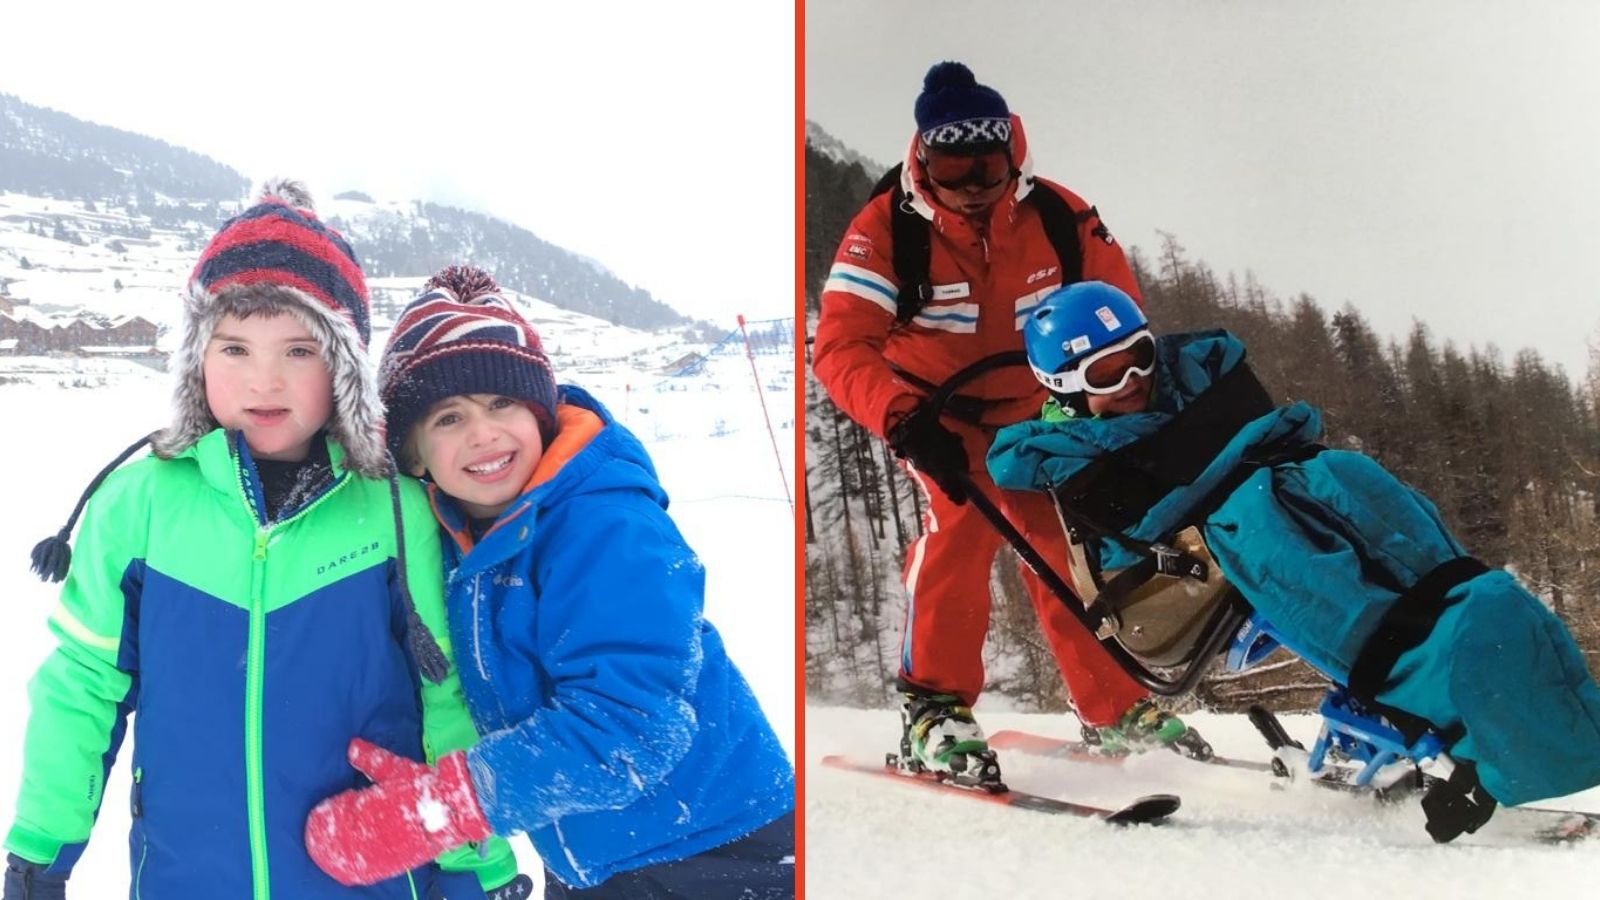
{"x": 65, "y": 259}
{"x": 108, "y": 193}
{"x": 833, "y": 148}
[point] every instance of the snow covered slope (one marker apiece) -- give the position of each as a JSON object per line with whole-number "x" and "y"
{"x": 1236, "y": 836}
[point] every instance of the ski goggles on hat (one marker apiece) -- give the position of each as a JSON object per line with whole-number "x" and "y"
{"x": 953, "y": 171}
{"x": 1106, "y": 370}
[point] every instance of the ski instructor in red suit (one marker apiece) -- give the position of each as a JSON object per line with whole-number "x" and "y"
{"x": 967, "y": 174}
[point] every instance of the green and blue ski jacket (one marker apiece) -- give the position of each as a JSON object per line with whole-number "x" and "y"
{"x": 249, "y": 653}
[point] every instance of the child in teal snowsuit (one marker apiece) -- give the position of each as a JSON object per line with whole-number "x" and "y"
{"x": 1354, "y": 570}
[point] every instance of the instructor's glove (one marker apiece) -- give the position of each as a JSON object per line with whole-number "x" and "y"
{"x": 1457, "y": 806}
{"x": 29, "y": 881}
{"x": 933, "y": 450}
{"x": 411, "y": 814}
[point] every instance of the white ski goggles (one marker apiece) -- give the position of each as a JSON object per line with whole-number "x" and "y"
{"x": 1106, "y": 370}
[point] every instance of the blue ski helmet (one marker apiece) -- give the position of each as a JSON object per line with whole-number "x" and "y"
{"x": 1073, "y": 323}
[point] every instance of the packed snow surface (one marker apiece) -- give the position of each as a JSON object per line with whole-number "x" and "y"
{"x": 1236, "y": 835}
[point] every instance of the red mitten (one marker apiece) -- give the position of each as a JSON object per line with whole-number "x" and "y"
{"x": 411, "y": 814}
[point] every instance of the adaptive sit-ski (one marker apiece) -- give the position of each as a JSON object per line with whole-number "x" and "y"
{"x": 1168, "y": 533}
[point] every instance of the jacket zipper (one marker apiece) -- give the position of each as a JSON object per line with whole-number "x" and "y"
{"x": 477, "y": 629}
{"x": 255, "y": 665}
{"x": 144, "y": 837}
{"x": 254, "y": 685}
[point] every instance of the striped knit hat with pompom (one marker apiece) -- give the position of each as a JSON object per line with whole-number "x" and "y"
{"x": 274, "y": 257}
{"x": 460, "y": 336}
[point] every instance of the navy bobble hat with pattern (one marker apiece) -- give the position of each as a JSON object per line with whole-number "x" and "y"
{"x": 956, "y": 114}
{"x": 460, "y": 336}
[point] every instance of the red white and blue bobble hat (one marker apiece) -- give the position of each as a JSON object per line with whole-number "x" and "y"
{"x": 275, "y": 257}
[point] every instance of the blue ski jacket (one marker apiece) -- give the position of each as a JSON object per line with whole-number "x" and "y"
{"x": 615, "y": 730}
{"x": 1318, "y": 546}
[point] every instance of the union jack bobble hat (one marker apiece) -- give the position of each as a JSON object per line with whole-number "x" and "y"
{"x": 461, "y": 336}
{"x": 956, "y": 114}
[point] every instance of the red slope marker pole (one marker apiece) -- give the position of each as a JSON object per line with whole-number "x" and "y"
{"x": 751, "y": 355}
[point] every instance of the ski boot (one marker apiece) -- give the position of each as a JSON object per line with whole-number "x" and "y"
{"x": 939, "y": 736}
{"x": 1145, "y": 727}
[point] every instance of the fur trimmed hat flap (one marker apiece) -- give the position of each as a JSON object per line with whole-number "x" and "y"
{"x": 278, "y": 257}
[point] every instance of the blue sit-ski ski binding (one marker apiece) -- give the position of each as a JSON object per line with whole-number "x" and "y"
{"x": 1379, "y": 756}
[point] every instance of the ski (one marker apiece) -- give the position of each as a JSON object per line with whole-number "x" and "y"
{"x": 1561, "y": 827}
{"x": 1039, "y": 745}
{"x": 1149, "y": 810}
{"x": 1545, "y": 825}
{"x": 1331, "y": 777}
{"x": 1335, "y": 778}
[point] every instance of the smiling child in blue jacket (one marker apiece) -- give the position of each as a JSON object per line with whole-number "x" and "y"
{"x": 615, "y": 730}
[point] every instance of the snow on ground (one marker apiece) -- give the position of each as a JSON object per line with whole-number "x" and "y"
{"x": 62, "y": 275}
{"x": 1236, "y": 835}
{"x": 706, "y": 434}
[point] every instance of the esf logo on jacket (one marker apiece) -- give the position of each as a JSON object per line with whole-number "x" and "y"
{"x": 347, "y": 558}
{"x": 858, "y": 247}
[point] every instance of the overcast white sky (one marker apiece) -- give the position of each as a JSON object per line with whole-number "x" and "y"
{"x": 645, "y": 135}
{"x": 1437, "y": 159}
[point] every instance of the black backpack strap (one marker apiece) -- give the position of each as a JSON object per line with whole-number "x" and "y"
{"x": 1407, "y": 624}
{"x": 1061, "y": 227}
{"x": 1117, "y": 489}
{"x": 912, "y": 236}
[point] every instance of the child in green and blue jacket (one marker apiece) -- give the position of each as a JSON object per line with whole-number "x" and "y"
{"x": 244, "y": 593}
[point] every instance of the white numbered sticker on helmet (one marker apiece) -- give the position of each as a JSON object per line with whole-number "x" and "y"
{"x": 1108, "y": 318}
{"x": 1078, "y": 344}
